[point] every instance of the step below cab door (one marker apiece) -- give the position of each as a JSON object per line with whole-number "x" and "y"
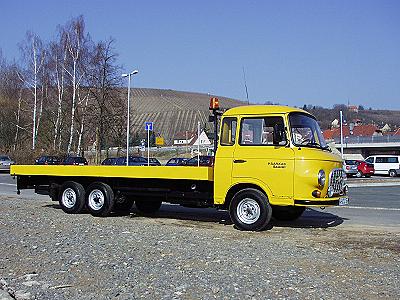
{"x": 262, "y": 156}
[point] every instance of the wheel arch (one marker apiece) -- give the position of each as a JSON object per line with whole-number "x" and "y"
{"x": 240, "y": 186}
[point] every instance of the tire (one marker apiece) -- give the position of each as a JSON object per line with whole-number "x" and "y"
{"x": 287, "y": 213}
{"x": 250, "y": 210}
{"x": 148, "y": 206}
{"x": 123, "y": 204}
{"x": 71, "y": 197}
{"x": 392, "y": 173}
{"x": 100, "y": 199}
{"x": 359, "y": 174}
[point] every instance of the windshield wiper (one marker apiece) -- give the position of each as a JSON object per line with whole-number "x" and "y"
{"x": 315, "y": 144}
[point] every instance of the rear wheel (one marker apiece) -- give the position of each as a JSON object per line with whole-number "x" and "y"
{"x": 250, "y": 210}
{"x": 100, "y": 199}
{"x": 71, "y": 197}
{"x": 287, "y": 213}
{"x": 148, "y": 206}
{"x": 359, "y": 174}
{"x": 123, "y": 204}
{"x": 392, "y": 173}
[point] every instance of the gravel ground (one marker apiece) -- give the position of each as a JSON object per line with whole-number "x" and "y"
{"x": 187, "y": 254}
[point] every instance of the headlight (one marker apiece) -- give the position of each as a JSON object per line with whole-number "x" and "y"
{"x": 321, "y": 178}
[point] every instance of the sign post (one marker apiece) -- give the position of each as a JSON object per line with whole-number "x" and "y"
{"x": 149, "y": 127}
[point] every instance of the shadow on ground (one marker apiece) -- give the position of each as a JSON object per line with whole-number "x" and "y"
{"x": 310, "y": 219}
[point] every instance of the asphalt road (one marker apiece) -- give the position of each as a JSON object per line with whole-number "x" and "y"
{"x": 372, "y": 206}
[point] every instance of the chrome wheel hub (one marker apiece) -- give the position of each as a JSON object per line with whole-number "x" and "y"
{"x": 68, "y": 198}
{"x": 96, "y": 199}
{"x": 248, "y": 211}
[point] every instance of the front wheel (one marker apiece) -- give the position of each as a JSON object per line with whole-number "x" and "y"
{"x": 359, "y": 174}
{"x": 250, "y": 210}
{"x": 100, "y": 199}
{"x": 287, "y": 213}
{"x": 392, "y": 173}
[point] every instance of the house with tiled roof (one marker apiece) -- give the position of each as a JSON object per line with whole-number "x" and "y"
{"x": 353, "y": 131}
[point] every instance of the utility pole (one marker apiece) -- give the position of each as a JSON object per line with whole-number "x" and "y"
{"x": 245, "y": 86}
{"x": 341, "y": 133}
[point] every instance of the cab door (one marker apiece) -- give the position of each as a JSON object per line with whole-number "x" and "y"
{"x": 224, "y": 158}
{"x": 262, "y": 158}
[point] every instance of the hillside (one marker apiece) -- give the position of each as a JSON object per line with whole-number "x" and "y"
{"x": 177, "y": 111}
{"x": 377, "y": 117}
{"x": 172, "y": 111}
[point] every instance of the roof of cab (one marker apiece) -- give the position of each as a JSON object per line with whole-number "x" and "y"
{"x": 261, "y": 109}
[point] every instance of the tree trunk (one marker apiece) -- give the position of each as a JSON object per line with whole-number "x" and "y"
{"x": 82, "y": 124}
{"x": 18, "y": 117}
{"x": 71, "y": 133}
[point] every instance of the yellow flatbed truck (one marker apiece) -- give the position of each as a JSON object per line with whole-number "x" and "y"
{"x": 270, "y": 161}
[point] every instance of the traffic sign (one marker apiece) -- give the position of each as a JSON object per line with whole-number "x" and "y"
{"x": 148, "y": 126}
{"x": 159, "y": 141}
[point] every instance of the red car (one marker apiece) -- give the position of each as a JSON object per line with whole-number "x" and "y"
{"x": 364, "y": 169}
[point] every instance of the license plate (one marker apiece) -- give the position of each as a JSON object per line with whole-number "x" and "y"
{"x": 343, "y": 201}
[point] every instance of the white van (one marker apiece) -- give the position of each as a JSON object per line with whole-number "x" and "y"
{"x": 385, "y": 164}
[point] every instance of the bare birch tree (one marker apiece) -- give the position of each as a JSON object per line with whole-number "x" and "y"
{"x": 76, "y": 43}
{"x": 58, "y": 59}
{"x": 33, "y": 56}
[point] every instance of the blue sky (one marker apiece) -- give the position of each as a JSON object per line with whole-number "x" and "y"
{"x": 294, "y": 52}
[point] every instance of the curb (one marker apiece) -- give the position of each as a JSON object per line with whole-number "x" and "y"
{"x": 367, "y": 184}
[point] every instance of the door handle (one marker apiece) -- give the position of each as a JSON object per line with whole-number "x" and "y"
{"x": 239, "y": 161}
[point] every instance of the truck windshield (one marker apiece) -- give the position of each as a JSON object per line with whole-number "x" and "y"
{"x": 305, "y": 131}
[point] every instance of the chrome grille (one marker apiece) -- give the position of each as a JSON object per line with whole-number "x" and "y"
{"x": 337, "y": 181}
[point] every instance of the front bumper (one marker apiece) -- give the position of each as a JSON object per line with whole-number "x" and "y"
{"x": 339, "y": 201}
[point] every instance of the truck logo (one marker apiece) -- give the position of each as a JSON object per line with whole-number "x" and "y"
{"x": 277, "y": 165}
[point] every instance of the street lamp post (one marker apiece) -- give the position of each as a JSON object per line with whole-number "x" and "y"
{"x": 128, "y": 116}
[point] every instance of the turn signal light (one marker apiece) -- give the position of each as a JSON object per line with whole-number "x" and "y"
{"x": 316, "y": 194}
{"x": 214, "y": 103}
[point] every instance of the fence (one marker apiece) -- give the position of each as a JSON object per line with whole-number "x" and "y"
{"x": 370, "y": 139}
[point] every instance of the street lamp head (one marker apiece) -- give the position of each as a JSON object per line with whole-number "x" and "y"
{"x": 129, "y": 74}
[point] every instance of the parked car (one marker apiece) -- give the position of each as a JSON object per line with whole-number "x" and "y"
{"x": 364, "y": 169}
{"x": 350, "y": 167}
{"x": 75, "y": 160}
{"x": 176, "y": 161}
{"x": 154, "y": 161}
{"x": 205, "y": 160}
{"x": 133, "y": 161}
{"x": 5, "y": 163}
{"x": 385, "y": 164}
{"x": 48, "y": 160}
{"x": 109, "y": 161}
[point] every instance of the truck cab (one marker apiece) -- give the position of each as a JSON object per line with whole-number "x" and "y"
{"x": 277, "y": 153}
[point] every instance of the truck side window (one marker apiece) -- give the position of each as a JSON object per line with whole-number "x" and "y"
{"x": 260, "y": 131}
{"x": 228, "y": 133}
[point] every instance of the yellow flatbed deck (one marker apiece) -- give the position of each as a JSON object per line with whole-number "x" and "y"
{"x": 156, "y": 172}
